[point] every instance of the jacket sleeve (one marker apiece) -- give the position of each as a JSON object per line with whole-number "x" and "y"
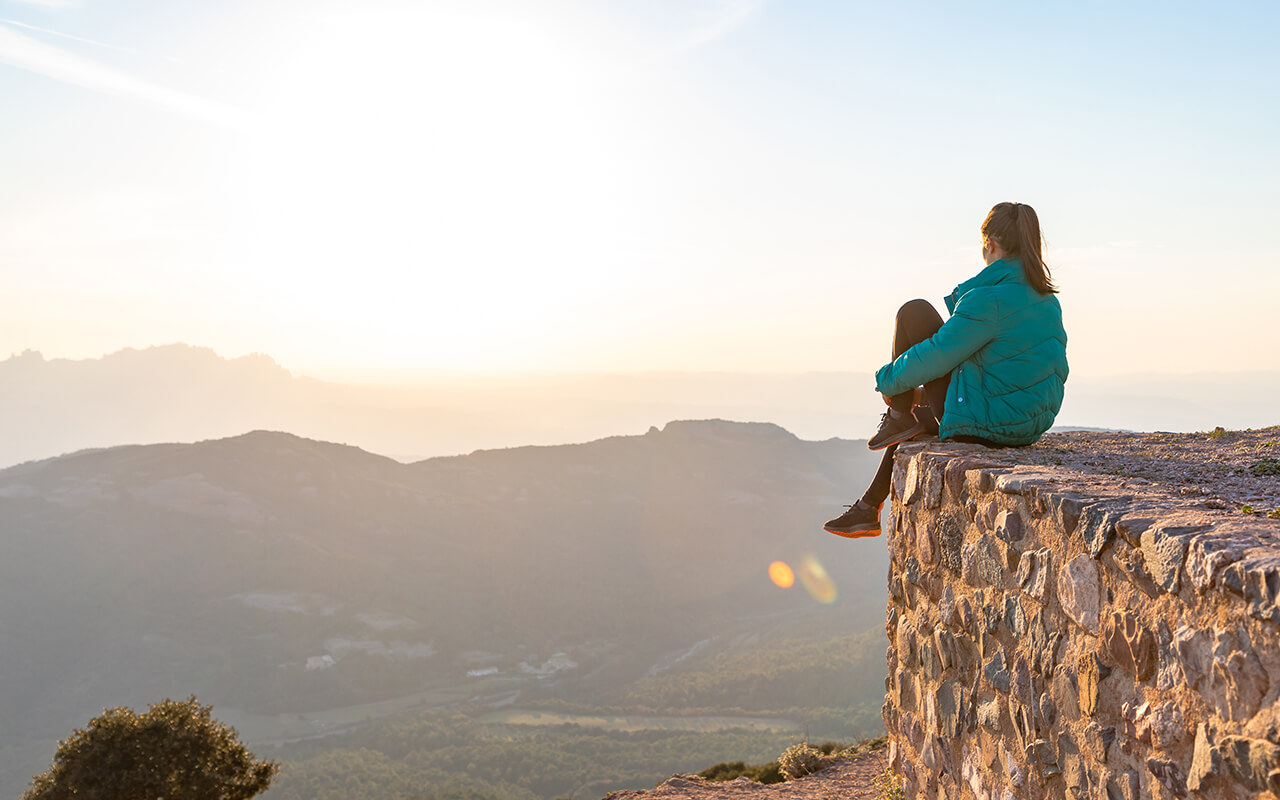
{"x": 969, "y": 329}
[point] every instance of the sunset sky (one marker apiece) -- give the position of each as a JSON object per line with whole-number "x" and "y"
{"x": 629, "y": 184}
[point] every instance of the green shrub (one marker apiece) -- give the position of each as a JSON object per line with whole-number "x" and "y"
{"x": 889, "y": 785}
{"x": 174, "y": 749}
{"x": 1266, "y": 466}
{"x": 800, "y": 760}
{"x": 865, "y": 746}
{"x": 728, "y": 770}
{"x": 724, "y": 771}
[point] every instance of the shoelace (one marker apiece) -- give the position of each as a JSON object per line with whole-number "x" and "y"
{"x": 888, "y": 415}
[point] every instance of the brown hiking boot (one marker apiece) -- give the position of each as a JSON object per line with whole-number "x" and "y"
{"x": 861, "y": 520}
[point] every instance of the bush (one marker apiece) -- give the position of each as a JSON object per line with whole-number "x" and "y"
{"x": 800, "y": 760}
{"x": 728, "y": 770}
{"x": 889, "y": 785}
{"x": 1266, "y": 466}
{"x": 174, "y": 750}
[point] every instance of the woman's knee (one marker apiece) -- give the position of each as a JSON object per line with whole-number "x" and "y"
{"x": 917, "y": 309}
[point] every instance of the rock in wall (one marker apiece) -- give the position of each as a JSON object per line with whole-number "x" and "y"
{"x": 1063, "y": 634}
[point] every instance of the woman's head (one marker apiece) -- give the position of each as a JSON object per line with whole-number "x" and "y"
{"x": 1014, "y": 229}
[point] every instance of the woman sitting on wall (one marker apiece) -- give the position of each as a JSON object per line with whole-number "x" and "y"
{"x": 993, "y": 373}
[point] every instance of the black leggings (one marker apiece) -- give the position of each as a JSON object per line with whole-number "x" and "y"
{"x": 916, "y": 322}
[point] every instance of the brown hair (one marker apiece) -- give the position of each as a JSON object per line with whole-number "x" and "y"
{"x": 1016, "y": 228}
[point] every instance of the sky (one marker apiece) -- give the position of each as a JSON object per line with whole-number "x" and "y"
{"x": 629, "y": 185}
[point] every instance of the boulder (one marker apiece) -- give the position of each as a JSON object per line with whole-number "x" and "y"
{"x": 1079, "y": 592}
{"x": 1130, "y": 645}
{"x": 1206, "y": 762}
{"x": 1251, "y": 761}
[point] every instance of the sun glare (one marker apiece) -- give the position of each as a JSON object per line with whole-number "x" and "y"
{"x": 781, "y": 574}
{"x": 816, "y": 580}
{"x": 445, "y": 177}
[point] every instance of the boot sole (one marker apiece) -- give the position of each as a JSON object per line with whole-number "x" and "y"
{"x": 855, "y": 534}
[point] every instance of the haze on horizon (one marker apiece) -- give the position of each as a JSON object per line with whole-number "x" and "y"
{"x": 717, "y": 185}
{"x": 178, "y": 393}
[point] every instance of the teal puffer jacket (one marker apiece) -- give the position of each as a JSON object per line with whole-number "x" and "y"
{"x": 1007, "y": 353}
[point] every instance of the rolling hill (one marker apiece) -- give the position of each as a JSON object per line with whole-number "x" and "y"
{"x": 282, "y": 578}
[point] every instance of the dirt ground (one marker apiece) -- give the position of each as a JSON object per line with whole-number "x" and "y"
{"x": 846, "y": 779}
{"x": 1223, "y": 469}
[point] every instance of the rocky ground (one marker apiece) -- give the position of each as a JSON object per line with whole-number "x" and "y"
{"x": 848, "y": 779}
{"x": 1228, "y": 469}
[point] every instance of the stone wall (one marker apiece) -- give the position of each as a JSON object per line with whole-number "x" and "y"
{"x": 1065, "y": 634}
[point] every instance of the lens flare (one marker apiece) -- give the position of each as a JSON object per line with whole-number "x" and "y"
{"x": 780, "y": 573}
{"x": 817, "y": 581}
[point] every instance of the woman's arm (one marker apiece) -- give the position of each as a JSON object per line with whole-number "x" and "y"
{"x": 972, "y": 326}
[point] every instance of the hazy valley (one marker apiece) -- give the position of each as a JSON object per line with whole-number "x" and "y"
{"x": 309, "y": 589}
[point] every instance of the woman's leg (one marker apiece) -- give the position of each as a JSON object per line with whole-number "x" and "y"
{"x": 879, "y": 488}
{"x": 863, "y": 517}
{"x": 916, "y": 321}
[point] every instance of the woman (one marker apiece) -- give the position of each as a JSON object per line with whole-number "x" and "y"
{"x": 992, "y": 374}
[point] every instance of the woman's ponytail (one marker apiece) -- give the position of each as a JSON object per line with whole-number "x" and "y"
{"x": 1016, "y": 228}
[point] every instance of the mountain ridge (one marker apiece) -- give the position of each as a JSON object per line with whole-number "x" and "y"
{"x": 177, "y": 393}
{"x": 224, "y": 567}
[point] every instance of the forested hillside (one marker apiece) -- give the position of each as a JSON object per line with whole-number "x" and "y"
{"x": 308, "y": 589}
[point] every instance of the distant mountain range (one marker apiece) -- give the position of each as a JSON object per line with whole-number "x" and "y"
{"x": 173, "y": 393}
{"x": 275, "y": 575}
{"x": 49, "y": 407}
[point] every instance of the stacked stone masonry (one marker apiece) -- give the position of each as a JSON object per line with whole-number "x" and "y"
{"x": 1062, "y": 634}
